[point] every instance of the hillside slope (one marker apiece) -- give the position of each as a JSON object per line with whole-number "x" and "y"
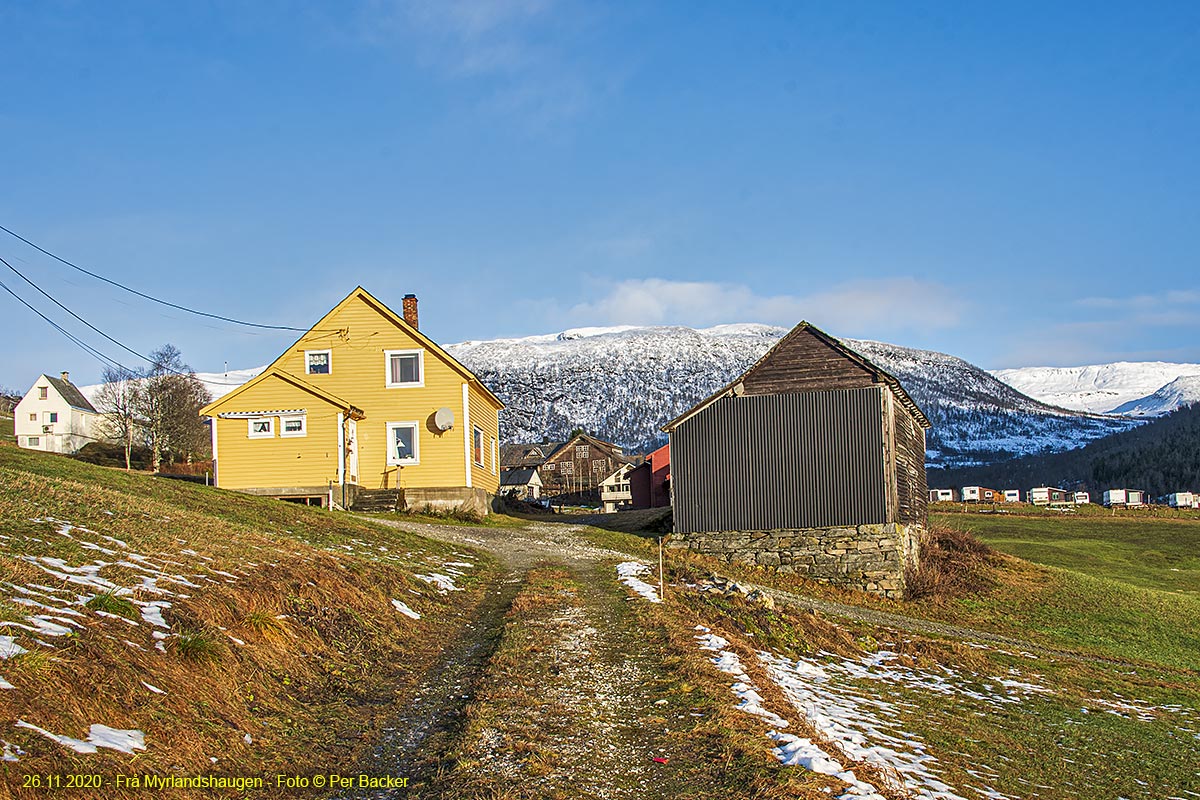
{"x": 1160, "y": 457}
{"x": 1181, "y": 392}
{"x": 197, "y": 627}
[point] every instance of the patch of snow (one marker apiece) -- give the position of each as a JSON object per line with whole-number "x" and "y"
{"x": 125, "y": 741}
{"x": 11, "y": 752}
{"x": 444, "y": 582}
{"x": 404, "y": 609}
{"x": 153, "y": 688}
{"x": 5, "y": 684}
{"x": 629, "y": 571}
{"x": 9, "y": 647}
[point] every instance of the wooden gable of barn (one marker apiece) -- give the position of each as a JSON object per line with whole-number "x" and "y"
{"x": 805, "y": 361}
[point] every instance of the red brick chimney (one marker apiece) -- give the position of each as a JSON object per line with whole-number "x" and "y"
{"x": 410, "y": 309}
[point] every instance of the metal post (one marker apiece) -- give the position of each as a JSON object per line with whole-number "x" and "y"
{"x": 662, "y": 586}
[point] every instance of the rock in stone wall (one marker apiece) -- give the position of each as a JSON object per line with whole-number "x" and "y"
{"x": 871, "y": 558}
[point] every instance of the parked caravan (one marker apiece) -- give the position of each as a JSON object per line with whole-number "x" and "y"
{"x": 1181, "y": 500}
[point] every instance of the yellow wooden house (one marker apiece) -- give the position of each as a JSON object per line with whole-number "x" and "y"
{"x": 362, "y": 401}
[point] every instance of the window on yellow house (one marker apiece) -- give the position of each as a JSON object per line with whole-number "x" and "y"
{"x": 404, "y": 447}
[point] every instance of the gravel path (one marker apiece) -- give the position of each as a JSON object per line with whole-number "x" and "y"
{"x": 556, "y": 539}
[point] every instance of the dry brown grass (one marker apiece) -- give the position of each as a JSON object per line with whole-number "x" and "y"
{"x": 953, "y": 563}
{"x": 321, "y": 651}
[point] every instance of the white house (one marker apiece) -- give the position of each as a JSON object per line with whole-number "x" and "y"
{"x": 941, "y": 495}
{"x": 1082, "y": 498}
{"x": 54, "y": 416}
{"x": 1114, "y": 497}
{"x": 615, "y": 493}
{"x": 524, "y": 483}
{"x": 1012, "y": 495}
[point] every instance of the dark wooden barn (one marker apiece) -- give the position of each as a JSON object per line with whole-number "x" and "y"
{"x": 812, "y": 461}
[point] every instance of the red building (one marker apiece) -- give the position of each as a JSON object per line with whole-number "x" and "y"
{"x": 650, "y": 481}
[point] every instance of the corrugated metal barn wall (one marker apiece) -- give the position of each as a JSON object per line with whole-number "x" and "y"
{"x": 764, "y": 462}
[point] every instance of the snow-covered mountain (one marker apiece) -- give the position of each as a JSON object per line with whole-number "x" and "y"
{"x": 1098, "y": 388}
{"x": 1183, "y": 391}
{"x": 623, "y": 383}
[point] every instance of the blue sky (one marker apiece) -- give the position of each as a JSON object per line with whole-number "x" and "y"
{"x": 1012, "y": 183}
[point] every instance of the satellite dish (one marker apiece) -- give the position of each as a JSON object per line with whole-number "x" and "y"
{"x": 443, "y": 419}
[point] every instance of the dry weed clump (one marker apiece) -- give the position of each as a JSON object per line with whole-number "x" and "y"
{"x": 953, "y": 563}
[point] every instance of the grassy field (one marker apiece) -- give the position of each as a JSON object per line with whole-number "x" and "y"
{"x": 1149, "y": 551}
{"x": 1000, "y": 718}
{"x": 238, "y": 635}
{"x": 7, "y": 431}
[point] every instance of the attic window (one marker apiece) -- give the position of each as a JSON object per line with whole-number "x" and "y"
{"x": 261, "y": 427}
{"x": 318, "y": 362}
{"x": 405, "y": 368}
{"x": 293, "y": 426}
{"x": 43, "y": 393}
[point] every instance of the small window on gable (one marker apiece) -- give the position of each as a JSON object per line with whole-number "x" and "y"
{"x": 568, "y": 467}
{"x": 54, "y": 416}
{"x": 33, "y": 417}
{"x": 293, "y": 426}
{"x": 548, "y": 466}
{"x": 405, "y": 368}
{"x": 581, "y": 452}
{"x": 404, "y": 447}
{"x": 318, "y": 362}
{"x": 261, "y": 427}
{"x": 43, "y": 392}
{"x": 478, "y": 442}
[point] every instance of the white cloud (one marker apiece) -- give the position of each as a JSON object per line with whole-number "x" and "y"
{"x": 869, "y": 307}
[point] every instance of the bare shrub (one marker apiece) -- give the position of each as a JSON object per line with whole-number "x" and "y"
{"x": 953, "y": 563}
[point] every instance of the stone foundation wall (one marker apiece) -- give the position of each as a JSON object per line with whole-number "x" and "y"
{"x": 474, "y": 500}
{"x": 870, "y": 558}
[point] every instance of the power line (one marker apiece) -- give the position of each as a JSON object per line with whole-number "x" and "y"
{"x": 93, "y": 352}
{"x": 88, "y": 348}
{"x": 119, "y": 285}
{"x": 45, "y": 294}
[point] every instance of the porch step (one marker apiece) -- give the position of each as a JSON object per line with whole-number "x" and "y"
{"x": 378, "y": 500}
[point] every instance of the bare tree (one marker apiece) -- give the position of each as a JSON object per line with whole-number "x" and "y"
{"x": 170, "y": 400}
{"x": 119, "y": 401}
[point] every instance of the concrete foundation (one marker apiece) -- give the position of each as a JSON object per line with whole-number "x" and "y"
{"x": 870, "y": 558}
{"x": 472, "y": 501}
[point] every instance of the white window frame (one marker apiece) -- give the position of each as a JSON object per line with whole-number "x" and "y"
{"x": 478, "y": 445}
{"x": 327, "y": 353}
{"x": 43, "y": 393}
{"x": 387, "y": 368}
{"x": 283, "y": 421}
{"x": 33, "y": 441}
{"x": 250, "y": 434}
{"x": 392, "y": 460}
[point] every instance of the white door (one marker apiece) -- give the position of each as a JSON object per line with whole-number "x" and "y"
{"x": 352, "y": 450}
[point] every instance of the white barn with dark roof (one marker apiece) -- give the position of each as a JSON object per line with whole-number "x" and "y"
{"x": 55, "y": 417}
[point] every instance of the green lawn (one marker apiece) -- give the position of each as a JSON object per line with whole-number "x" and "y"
{"x": 1151, "y": 553}
{"x": 6, "y": 429}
